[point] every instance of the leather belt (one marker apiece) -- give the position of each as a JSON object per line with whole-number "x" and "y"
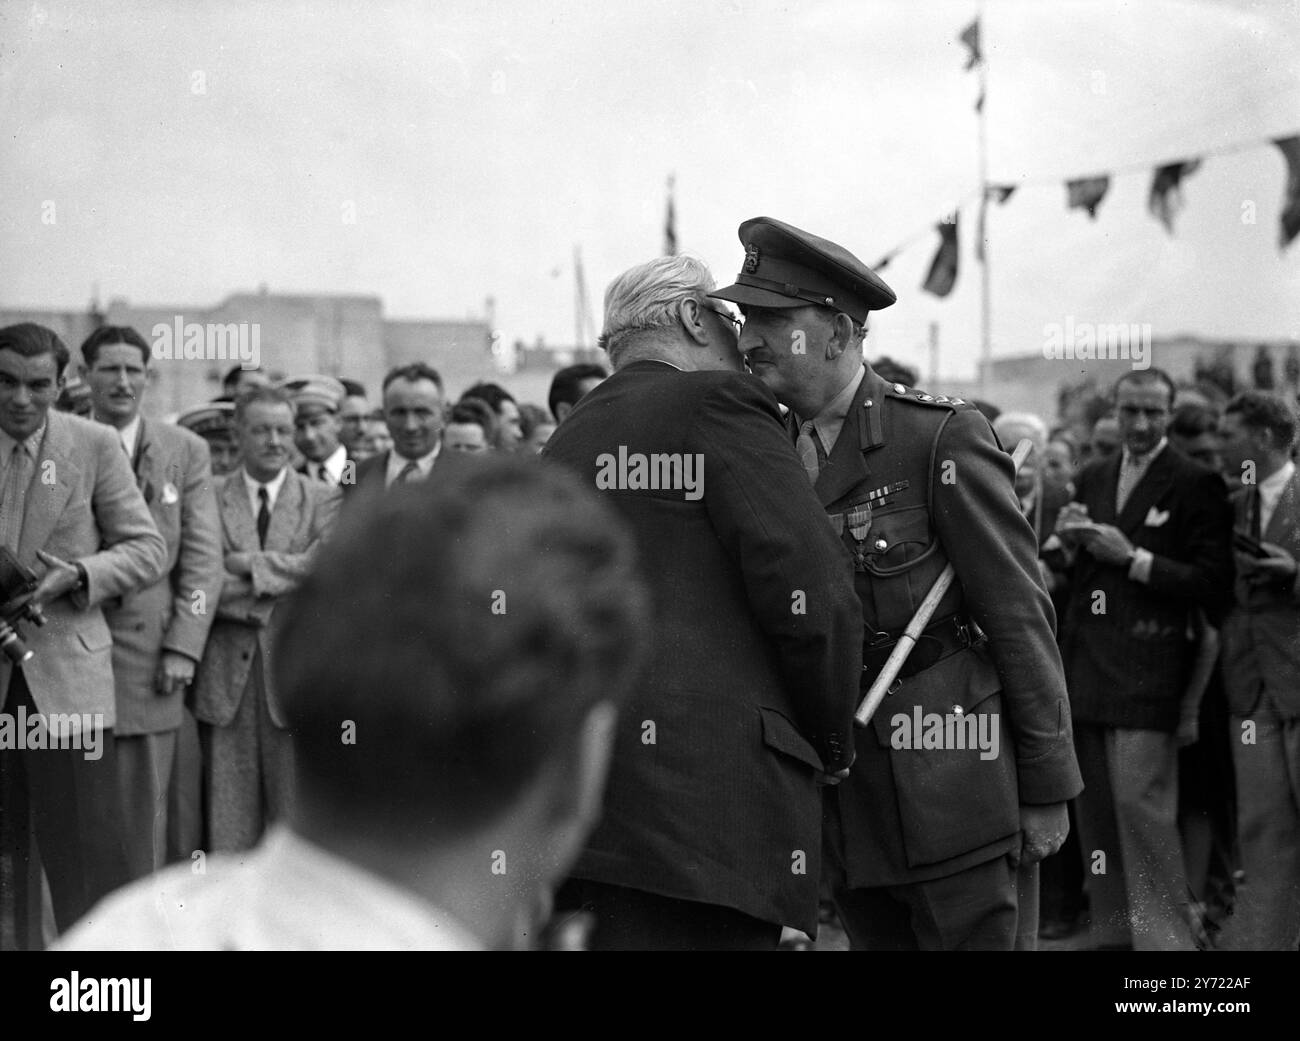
{"x": 937, "y": 641}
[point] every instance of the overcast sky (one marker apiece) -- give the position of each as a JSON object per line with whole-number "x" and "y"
{"x": 195, "y": 149}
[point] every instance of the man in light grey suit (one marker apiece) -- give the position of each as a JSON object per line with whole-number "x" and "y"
{"x": 1261, "y": 669}
{"x": 273, "y": 521}
{"x": 158, "y": 632}
{"x": 70, "y": 511}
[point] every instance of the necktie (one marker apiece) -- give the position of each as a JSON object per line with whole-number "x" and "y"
{"x": 411, "y": 467}
{"x": 14, "y": 497}
{"x": 323, "y": 474}
{"x": 1129, "y": 474}
{"x": 807, "y": 445}
{"x": 263, "y": 515}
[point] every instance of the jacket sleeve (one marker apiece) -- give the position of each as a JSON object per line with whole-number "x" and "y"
{"x": 797, "y": 575}
{"x": 991, "y": 547}
{"x": 133, "y": 553}
{"x": 276, "y": 573}
{"x": 199, "y": 568}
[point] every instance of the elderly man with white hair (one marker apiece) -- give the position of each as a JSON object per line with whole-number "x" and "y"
{"x": 711, "y": 836}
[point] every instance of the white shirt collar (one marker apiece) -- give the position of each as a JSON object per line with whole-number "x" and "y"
{"x": 272, "y": 486}
{"x": 1271, "y": 487}
{"x": 129, "y": 435}
{"x": 334, "y": 465}
{"x": 397, "y": 463}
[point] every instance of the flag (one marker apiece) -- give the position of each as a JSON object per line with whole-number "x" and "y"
{"x": 943, "y": 269}
{"x": 1290, "y": 219}
{"x": 1000, "y": 193}
{"x": 670, "y": 225}
{"x": 970, "y": 36}
{"x": 1087, "y": 194}
{"x": 1166, "y": 197}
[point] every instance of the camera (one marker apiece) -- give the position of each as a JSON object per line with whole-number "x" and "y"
{"x": 16, "y": 581}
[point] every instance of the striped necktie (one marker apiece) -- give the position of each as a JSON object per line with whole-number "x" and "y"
{"x": 13, "y": 498}
{"x": 808, "y": 446}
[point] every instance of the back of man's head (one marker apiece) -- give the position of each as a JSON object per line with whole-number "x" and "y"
{"x": 646, "y": 297}
{"x": 439, "y": 664}
{"x": 569, "y": 385}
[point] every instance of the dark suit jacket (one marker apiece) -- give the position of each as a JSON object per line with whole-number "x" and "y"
{"x": 940, "y": 491}
{"x": 1126, "y": 648}
{"x": 174, "y": 474}
{"x": 370, "y": 476}
{"x": 88, "y": 510}
{"x": 750, "y": 688}
{"x": 1261, "y": 637}
{"x": 301, "y": 519}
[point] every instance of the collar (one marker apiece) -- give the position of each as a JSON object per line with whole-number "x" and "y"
{"x": 1142, "y": 461}
{"x": 397, "y": 463}
{"x": 830, "y": 420}
{"x": 1273, "y": 484}
{"x": 272, "y": 486}
{"x": 333, "y": 464}
{"x": 129, "y": 435}
{"x": 33, "y": 442}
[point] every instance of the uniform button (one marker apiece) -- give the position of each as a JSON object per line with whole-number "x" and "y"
{"x": 881, "y": 544}
{"x": 957, "y": 710}
{"x": 245, "y": 656}
{"x": 868, "y": 403}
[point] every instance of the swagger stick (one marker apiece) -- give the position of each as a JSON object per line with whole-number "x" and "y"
{"x": 919, "y": 621}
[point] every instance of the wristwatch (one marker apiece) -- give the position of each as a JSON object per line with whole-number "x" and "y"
{"x": 83, "y": 579}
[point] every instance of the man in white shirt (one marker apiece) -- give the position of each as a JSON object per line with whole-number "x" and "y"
{"x": 450, "y": 759}
{"x": 413, "y": 411}
{"x": 318, "y": 427}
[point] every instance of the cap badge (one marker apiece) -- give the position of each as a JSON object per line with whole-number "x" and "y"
{"x": 751, "y": 258}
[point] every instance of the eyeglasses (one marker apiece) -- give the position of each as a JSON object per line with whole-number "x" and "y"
{"x": 737, "y": 323}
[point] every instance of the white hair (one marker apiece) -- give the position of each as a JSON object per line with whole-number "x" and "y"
{"x": 646, "y": 297}
{"x": 1009, "y": 421}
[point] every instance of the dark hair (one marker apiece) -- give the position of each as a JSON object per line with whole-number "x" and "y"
{"x": 1146, "y": 376}
{"x": 254, "y": 395}
{"x": 32, "y": 340}
{"x": 566, "y": 384}
{"x": 1260, "y": 410}
{"x": 352, "y": 388}
{"x": 1192, "y": 419}
{"x": 412, "y": 373}
{"x": 532, "y": 416}
{"x": 896, "y": 372}
{"x": 231, "y": 379}
{"x": 107, "y": 336}
{"x": 473, "y": 410}
{"x": 492, "y": 393}
{"x": 457, "y": 707}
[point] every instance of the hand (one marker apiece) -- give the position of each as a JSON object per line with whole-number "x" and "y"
{"x": 175, "y": 673}
{"x": 61, "y": 578}
{"x": 1189, "y": 731}
{"x": 239, "y": 563}
{"x": 1108, "y": 544}
{"x": 1068, "y": 523}
{"x": 1278, "y": 568}
{"x": 236, "y": 585}
{"x": 1042, "y": 832}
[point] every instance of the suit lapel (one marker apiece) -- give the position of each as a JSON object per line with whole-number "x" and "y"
{"x": 237, "y": 514}
{"x": 1285, "y": 514}
{"x": 286, "y": 511}
{"x": 1155, "y": 482}
{"x": 46, "y": 499}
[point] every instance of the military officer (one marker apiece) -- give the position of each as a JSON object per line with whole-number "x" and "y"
{"x": 965, "y": 770}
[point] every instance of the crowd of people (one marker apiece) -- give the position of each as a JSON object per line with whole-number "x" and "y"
{"x": 394, "y": 681}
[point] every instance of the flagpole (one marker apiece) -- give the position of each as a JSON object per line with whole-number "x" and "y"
{"x": 986, "y": 341}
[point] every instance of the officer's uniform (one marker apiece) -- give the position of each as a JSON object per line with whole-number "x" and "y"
{"x": 919, "y": 837}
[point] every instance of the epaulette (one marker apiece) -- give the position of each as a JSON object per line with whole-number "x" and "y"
{"x": 912, "y": 394}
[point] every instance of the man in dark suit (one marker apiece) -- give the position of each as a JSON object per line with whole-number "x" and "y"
{"x": 1261, "y": 670}
{"x": 273, "y": 522}
{"x": 712, "y": 832}
{"x": 925, "y": 837}
{"x": 1150, "y": 533}
{"x": 70, "y": 511}
{"x": 159, "y": 631}
{"x": 413, "y": 413}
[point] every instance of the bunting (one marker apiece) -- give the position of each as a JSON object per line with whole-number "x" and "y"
{"x": 943, "y": 269}
{"x": 1086, "y": 194}
{"x": 1166, "y": 198}
{"x": 970, "y": 36}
